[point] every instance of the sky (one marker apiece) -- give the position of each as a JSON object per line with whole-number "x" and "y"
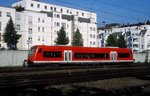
{"x": 108, "y": 11}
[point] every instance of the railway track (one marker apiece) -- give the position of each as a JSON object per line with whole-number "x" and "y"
{"x": 56, "y": 77}
{"x": 33, "y": 69}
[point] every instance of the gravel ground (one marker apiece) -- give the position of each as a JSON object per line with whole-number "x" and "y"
{"x": 107, "y": 84}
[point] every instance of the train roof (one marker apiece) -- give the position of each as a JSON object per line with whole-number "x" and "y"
{"x": 79, "y": 47}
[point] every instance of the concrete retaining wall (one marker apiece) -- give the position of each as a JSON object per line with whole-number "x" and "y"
{"x": 12, "y": 58}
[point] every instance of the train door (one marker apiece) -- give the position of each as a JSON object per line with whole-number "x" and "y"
{"x": 67, "y": 55}
{"x": 113, "y": 56}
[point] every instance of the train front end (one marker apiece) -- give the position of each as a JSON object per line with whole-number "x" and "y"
{"x": 31, "y": 55}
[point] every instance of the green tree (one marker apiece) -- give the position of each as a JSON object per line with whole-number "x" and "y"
{"x": 10, "y": 35}
{"x": 121, "y": 42}
{"x": 61, "y": 39}
{"x": 77, "y": 39}
{"x": 111, "y": 41}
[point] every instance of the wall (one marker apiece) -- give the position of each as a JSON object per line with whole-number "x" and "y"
{"x": 12, "y": 58}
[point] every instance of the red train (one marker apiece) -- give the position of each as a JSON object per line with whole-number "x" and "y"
{"x": 77, "y": 55}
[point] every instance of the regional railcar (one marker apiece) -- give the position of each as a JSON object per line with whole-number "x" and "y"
{"x": 40, "y": 55}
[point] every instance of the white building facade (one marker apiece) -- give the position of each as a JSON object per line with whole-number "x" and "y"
{"x": 137, "y": 36}
{"x": 39, "y": 23}
{"x": 5, "y": 14}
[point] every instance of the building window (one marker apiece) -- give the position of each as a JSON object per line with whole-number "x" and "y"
{"x": 43, "y": 39}
{"x": 51, "y": 8}
{"x": 30, "y": 20}
{"x": 58, "y": 16}
{"x": 54, "y": 8}
{"x": 77, "y": 13}
{"x": 90, "y": 35}
{"x": 45, "y": 7}
{"x": 82, "y": 14}
{"x": 93, "y": 43}
{"x": 0, "y": 36}
{"x": 39, "y": 38}
{"x": 61, "y": 10}
{"x": 18, "y": 27}
{"x": 67, "y": 11}
{"x": 30, "y": 30}
{"x": 43, "y": 20}
{"x": 58, "y": 24}
{"x": 18, "y": 17}
{"x": 30, "y": 40}
{"x": 32, "y": 5}
{"x": 90, "y": 28}
{"x": 39, "y": 29}
{"x": 43, "y": 29}
{"x": 94, "y": 36}
{"x": 38, "y": 19}
{"x": 8, "y": 14}
{"x": 0, "y": 13}
{"x": 38, "y": 5}
{"x": 0, "y": 26}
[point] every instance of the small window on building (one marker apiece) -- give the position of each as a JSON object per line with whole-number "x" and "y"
{"x": 51, "y": 8}
{"x": 0, "y": 26}
{"x": 43, "y": 29}
{"x": 38, "y": 5}
{"x": 38, "y": 19}
{"x": 93, "y": 43}
{"x": 54, "y": 8}
{"x": 0, "y": 13}
{"x": 58, "y": 16}
{"x": 45, "y": 7}
{"x": 18, "y": 17}
{"x": 18, "y": 27}
{"x": 30, "y": 30}
{"x": 0, "y": 36}
{"x": 32, "y": 4}
{"x": 67, "y": 11}
{"x": 58, "y": 24}
{"x": 8, "y": 14}
{"x": 82, "y": 14}
{"x": 77, "y": 13}
{"x": 43, "y": 20}
{"x": 61, "y": 10}
{"x": 39, "y": 38}
{"x": 39, "y": 29}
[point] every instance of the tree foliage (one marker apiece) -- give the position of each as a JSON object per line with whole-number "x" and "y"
{"x": 111, "y": 41}
{"x": 10, "y": 35}
{"x": 77, "y": 39}
{"x": 121, "y": 42}
{"x": 61, "y": 39}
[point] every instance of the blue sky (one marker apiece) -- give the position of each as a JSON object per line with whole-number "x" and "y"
{"x": 108, "y": 11}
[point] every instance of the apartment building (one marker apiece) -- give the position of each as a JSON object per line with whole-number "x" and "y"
{"x": 38, "y": 23}
{"x": 137, "y": 36}
{"x": 5, "y": 14}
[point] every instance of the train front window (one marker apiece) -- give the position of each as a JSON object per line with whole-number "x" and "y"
{"x": 32, "y": 51}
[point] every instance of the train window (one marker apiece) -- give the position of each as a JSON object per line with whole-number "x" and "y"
{"x": 52, "y": 54}
{"x": 32, "y": 51}
{"x": 40, "y": 50}
{"x": 123, "y": 55}
{"x": 91, "y": 55}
